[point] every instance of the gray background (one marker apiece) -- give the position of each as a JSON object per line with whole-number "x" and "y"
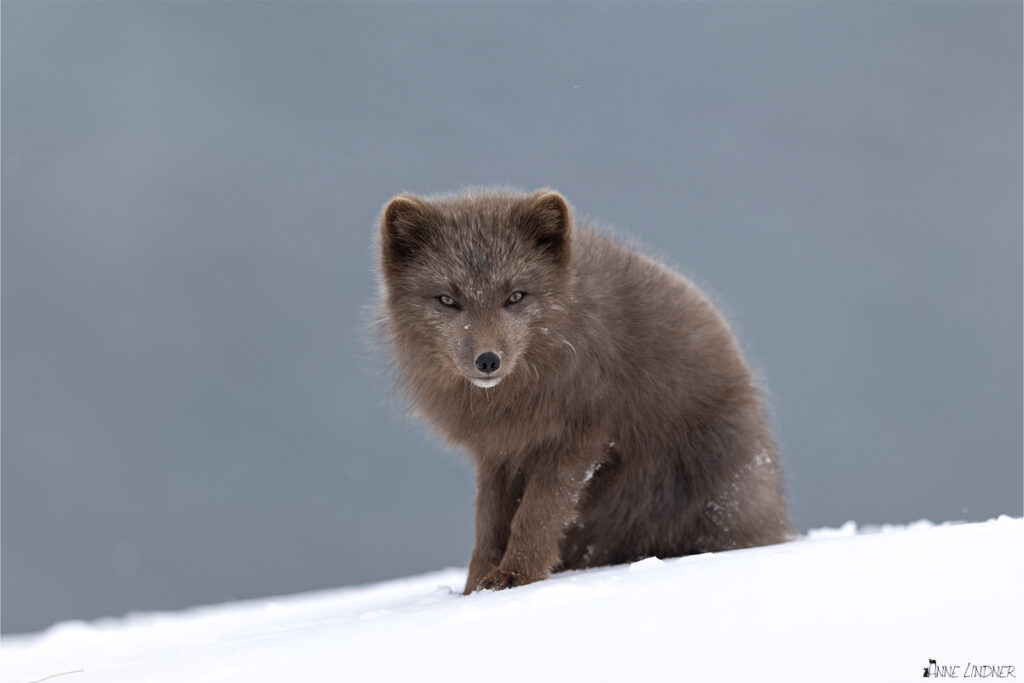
{"x": 190, "y": 411}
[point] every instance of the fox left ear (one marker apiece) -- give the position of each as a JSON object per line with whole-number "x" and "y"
{"x": 546, "y": 218}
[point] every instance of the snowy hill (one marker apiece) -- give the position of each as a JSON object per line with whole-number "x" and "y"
{"x": 836, "y": 606}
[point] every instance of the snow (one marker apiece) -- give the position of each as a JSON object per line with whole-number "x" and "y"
{"x": 837, "y": 605}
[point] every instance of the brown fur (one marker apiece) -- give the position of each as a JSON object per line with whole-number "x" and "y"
{"x": 626, "y": 423}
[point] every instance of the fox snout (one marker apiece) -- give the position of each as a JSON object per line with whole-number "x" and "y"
{"x": 490, "y": 368}
{"x": 488, "y": 362}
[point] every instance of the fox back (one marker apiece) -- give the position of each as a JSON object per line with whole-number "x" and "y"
{"x": 604, "y": 401}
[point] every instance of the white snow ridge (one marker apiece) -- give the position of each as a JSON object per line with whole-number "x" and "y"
{"x": 841, "y": 606}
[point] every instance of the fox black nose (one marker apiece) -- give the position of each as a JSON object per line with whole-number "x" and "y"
{"x": 488, "y": 362}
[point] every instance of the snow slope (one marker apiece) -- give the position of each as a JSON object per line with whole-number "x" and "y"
{"x": 836, "y": 606}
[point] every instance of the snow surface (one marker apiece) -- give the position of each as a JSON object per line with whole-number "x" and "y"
{"x": 873, "y": 605}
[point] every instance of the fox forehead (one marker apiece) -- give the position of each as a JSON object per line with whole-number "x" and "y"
{"x": 485, "y": 266}
{"x": 478, "y": 258}
{"x": 480, "y": 247}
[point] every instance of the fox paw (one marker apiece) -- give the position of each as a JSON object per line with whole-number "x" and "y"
{"x": 499, "y": 578}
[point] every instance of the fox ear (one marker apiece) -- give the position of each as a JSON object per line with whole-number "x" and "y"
{"x": 547, "y": 220}
{"x": 405, "y": 224}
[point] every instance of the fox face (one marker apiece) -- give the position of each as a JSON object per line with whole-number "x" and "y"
{"x": 471, "y": 284}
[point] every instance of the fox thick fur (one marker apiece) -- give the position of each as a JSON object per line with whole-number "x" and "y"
{"x": 604, "y": 401}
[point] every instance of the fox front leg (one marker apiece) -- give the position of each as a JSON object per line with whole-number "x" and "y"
{"x": 549, "y": 504}
{"x": 498, "y": 491}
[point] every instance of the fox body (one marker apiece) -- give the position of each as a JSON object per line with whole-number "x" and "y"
{"x": 603, "y": 400}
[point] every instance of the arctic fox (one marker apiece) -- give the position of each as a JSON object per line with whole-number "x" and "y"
{"x": 603, "y": 400}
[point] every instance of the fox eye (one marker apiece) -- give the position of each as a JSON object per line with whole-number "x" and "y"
{"x": 446, "y": 300}
{"x": 515, "y": 298}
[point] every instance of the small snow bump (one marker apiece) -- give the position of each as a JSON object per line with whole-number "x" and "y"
{"x": 72, "y": 633}
{"x": 848, "y": 529}
{"x": 646, "y": 564}
{"x": 919, "y": 525}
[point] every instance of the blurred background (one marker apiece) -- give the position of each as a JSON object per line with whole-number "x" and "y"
{"x": 191, "y": 412}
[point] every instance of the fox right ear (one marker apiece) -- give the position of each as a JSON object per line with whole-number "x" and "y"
{"x": 404, "y": 226}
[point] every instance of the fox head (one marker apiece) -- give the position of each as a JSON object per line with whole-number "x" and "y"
{"x": 473, "y": 282}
